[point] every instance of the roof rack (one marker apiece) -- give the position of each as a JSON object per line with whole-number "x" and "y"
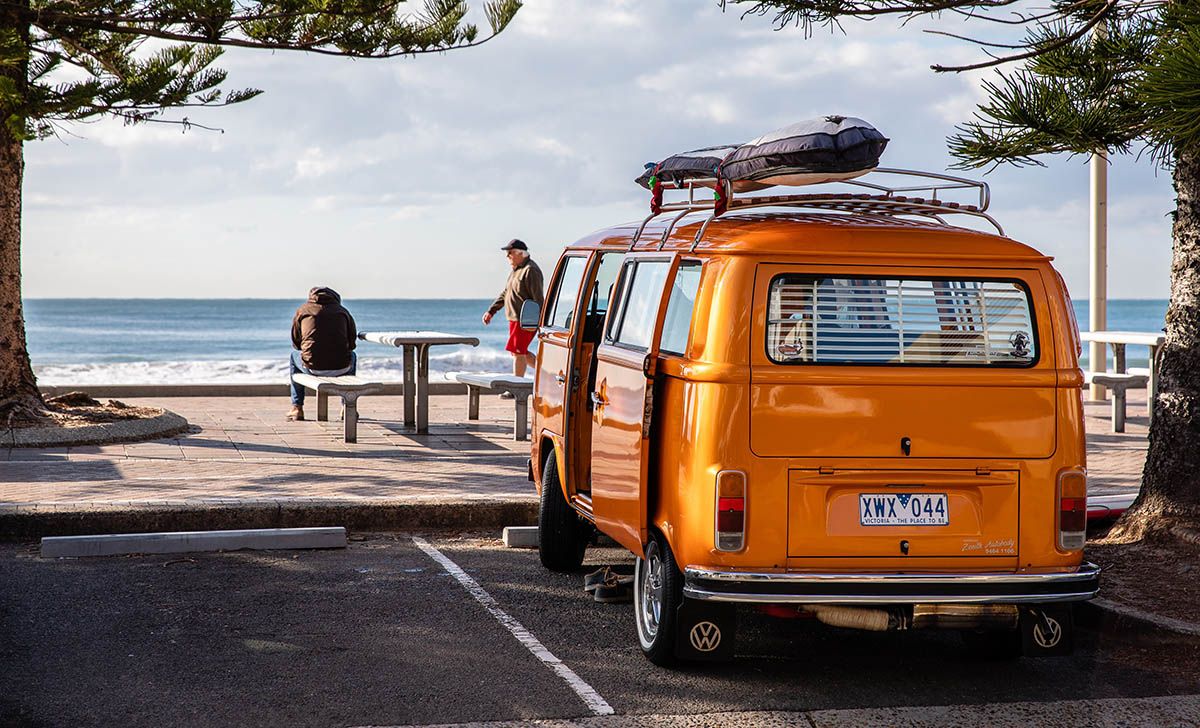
{"x": 890, "y": 201}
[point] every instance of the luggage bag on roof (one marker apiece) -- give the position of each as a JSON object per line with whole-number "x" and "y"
{"x": 694, "y": 165}
{"x": 808, "y": 152}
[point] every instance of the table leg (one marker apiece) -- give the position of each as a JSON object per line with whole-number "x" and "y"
{"x": 350, "y": 415}
{"x": 1118, "y": 410}
{"x": 472, "y": 402}
{"x": 410, "y": 387}
{"x": 521, "y": 431}
{"x": 322, "y": 405}
{"x": 1119, "y": 357}
{"x": 422, "y": 389}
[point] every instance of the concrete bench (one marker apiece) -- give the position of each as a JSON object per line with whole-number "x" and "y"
{"x": 1118, "y": 383}
{"x": 519, "y": 387}
{"x": 348, "y": 387}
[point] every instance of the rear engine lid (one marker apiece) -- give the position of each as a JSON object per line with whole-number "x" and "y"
{"x": 904, "y": 515}
{"x": 831, "y": 420}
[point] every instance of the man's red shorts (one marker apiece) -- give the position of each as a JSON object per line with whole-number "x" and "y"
{"x": 518, "y": 338}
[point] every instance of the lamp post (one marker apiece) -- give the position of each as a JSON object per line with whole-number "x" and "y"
{"x": 1098, "y": 248}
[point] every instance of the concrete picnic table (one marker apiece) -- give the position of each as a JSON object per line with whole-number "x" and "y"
{"x": 1118, "y": 340}
{"x": 416, "y": 345}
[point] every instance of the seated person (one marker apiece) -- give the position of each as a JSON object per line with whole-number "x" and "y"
{"x": 323, "y": 339}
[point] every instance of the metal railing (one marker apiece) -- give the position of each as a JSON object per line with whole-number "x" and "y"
{"x": 891, "y": 201}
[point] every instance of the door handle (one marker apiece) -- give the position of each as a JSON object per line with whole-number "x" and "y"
{"x": 560, "y": 378}
{"x": 598, "y": 399}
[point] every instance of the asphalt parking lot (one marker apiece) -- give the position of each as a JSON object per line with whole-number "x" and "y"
{"x": 383, "y": 633}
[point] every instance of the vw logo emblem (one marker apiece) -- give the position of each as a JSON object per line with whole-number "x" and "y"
{"x": 1048, "y": 640}
{"x": 705, "y": 636}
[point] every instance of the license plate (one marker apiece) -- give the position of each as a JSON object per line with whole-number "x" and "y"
{"x": 902, "y": 509}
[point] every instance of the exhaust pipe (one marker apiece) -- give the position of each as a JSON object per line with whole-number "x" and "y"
{"x": 924, "y": 616}
{"x": 965, "y": 616}
{"x": 872, "y": 620}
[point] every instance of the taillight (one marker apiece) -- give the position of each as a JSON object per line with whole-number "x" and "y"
{"x": 731, "y": 510}
{"x": 1072, "y": 510}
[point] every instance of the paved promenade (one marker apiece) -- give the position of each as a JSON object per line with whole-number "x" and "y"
{"x": 242, "y": 455}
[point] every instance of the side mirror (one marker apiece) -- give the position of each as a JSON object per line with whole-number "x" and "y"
{"x": 531, "y": 315}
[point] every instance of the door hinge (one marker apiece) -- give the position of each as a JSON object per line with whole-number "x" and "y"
{"x": 647, "y": 412}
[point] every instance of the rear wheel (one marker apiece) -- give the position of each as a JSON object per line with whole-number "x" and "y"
{"x": 657, "y": 594}
{"x": 562, "y": 536}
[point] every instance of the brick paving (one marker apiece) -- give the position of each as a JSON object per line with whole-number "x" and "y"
{"x": 241, "y": 451}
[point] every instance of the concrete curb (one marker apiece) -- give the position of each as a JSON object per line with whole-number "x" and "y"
{"x": 27, "y": 523}
{"x": 187, "y": 542}
{"x": 1103, "y": 615}
{"x": 164, "y": 425}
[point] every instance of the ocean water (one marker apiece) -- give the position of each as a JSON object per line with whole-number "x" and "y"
{"x": 189, "y": 341}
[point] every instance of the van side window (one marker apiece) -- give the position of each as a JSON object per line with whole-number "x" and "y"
{"x": 678, "y": 323}
{"x": 641, "y": 291}
{"x": 566, "y": 292}
{"x": 900, "y": 322}
{"x": 606, "y": 276}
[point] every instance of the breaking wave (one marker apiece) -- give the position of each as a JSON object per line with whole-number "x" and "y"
{"x": 259, "y": 371}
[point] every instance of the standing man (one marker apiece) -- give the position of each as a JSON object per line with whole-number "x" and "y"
{"x": 323, "y": 339}
{"x": 524, "y": 284}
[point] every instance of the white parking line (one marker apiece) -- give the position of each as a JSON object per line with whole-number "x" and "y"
{"x": 586, "y": 693}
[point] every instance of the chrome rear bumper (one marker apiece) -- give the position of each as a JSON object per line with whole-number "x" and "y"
{"x": 1030, "y": 586}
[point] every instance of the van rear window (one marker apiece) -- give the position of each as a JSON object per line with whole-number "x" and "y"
{"x": 952, "y": 322}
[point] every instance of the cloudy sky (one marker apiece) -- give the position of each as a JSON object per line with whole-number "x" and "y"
{"x": 401, "y": 178}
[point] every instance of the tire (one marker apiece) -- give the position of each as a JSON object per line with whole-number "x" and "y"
{"x": 996, "y": 644}
{"x": 562, "y": 536}
{"x": 657, "y": 594}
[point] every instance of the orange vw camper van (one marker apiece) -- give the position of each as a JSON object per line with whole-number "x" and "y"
{"x": 837, "y": 402}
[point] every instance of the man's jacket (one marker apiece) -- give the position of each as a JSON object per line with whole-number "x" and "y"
{"x": 324, "y": 331}
{"x": 524, "y": 284}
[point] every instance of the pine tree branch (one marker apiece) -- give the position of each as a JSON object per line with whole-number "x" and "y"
{"x": 807, "y": 12}
{"x": 308, "y": 46}
{"x": 1034, "y": 52}
{"x": 232, "y": 30}
{"x": 187, "y": 124}
{"x": 976, "y": 41}
{"x": 1020, "y": 18}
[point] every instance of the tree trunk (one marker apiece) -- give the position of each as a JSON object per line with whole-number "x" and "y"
{"x": 1169, "y": 503}
{"x": 19, "y": 396}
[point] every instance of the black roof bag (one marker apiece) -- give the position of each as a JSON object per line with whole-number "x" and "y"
{"x": 808, "y": 152}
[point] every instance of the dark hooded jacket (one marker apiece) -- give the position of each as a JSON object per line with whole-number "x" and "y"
{"x": 324, "y": 331}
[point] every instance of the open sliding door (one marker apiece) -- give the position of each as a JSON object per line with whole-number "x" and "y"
{"x": 622, "y": 397}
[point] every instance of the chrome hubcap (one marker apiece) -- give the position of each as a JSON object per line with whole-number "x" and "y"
{"x": 650, "y": 592}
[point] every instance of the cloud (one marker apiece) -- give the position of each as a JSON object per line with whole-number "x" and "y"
{"x": 539, "y": 132}
{"x": 314, "y": 163}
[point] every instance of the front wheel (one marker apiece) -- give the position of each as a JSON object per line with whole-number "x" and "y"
{"x": 657, "y": 594}
{"x": 562, "y": 537}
